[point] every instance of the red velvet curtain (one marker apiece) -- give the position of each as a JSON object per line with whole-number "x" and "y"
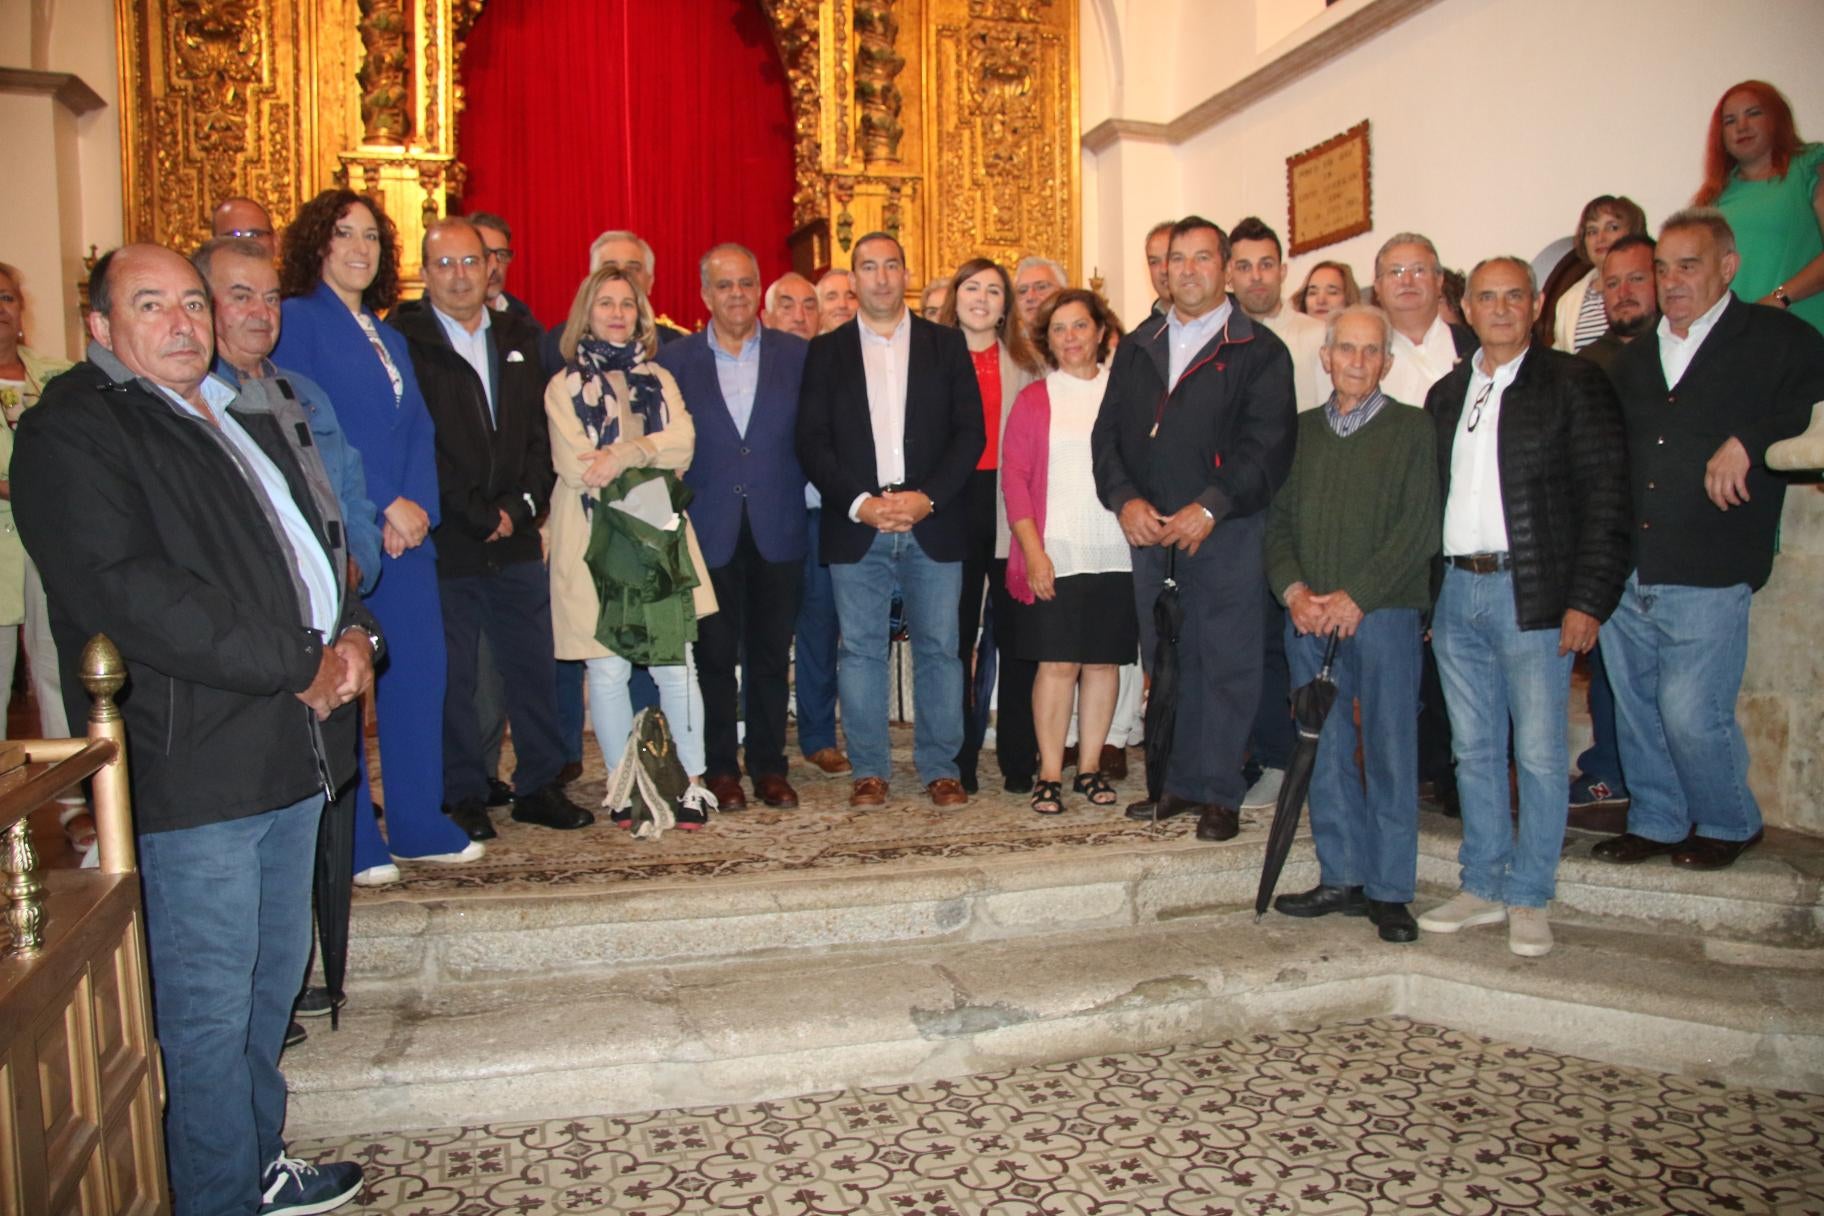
{"x": 667, "y": 117}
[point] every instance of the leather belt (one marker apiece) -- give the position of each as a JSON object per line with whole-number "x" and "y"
{"x": 1482, "y": 563}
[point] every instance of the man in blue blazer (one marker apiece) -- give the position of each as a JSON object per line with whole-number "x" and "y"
{"x": 740, "y": 383}
{"x": 889, "y": 429}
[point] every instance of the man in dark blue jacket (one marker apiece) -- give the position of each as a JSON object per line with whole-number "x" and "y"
{"x": 740, "y": 383}
{"x": 198, "y": 530}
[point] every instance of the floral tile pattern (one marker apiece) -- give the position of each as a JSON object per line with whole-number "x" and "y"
{"x": 1377, "y": 1116}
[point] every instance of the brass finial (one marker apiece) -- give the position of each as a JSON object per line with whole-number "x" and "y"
{"x": 104, "y": 674}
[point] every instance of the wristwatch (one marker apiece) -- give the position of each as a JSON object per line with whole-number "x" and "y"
{"x": 373, "y": 639}
{"x": 1779, "y": 293}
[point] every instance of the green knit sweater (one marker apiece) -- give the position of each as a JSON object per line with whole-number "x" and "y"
{"x": 1361, "y": 513}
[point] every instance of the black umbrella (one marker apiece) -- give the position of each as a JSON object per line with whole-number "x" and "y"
{"x": 1162, "y": 698}
{"x": 332, "y": 889}
{"x": 1310, "y": 706}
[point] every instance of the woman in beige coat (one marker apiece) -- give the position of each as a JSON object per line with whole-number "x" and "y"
{"x": 611, "y": 409}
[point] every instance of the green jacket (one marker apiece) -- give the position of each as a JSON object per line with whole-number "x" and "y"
{"x": 643, "y": 575}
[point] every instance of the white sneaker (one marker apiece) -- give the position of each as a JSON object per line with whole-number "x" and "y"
{"x": 1529, "y": 933}
{"x": 1263, "y": 795}
{"x": 473, "y": 851}
{"x": 377, "y": 876}
{"x": 1462, "y": 911}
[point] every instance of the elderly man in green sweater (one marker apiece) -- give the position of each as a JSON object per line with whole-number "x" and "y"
{"x": 1349, "y": 546}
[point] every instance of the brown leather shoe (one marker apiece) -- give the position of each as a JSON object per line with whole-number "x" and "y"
{"x": 1628, "y": 849}
{"x": 774, "y": 790}
{"x": 830, "y": 761}
{"x": 1708, "y": 853}
{"x": 869, "y": 791}
{"x": 1218, "y": 823}
{"x": 947, "y": 792}
{"x": 727, "y": 791}
{"x": 1114, "y": 762}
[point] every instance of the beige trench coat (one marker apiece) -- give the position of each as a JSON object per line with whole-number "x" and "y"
{"x": 574, "y": 606}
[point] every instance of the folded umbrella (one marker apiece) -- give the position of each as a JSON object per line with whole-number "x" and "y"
{"x": 1310, "y": 706}
{"x": 1162, "y": 700}
{"x": 332, "y": 888}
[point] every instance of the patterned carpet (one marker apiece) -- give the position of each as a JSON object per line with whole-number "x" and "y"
{"x": 823, "y": 832}
{"x": 1381, "y": 1116}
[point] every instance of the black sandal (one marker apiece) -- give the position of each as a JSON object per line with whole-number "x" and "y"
{"x": 1096, "y": 786}
{"x": 1048, "y": 797}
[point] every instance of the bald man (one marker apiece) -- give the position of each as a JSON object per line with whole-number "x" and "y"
{"x": 244, "y": 218}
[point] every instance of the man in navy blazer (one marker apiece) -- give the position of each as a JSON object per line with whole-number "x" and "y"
{"x": 740, "y": 383}
{"x": 889, "y": 430}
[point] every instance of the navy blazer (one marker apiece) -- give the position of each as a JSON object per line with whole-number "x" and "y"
{"x": 944, "y": 436}
{"x": 758, "y": 471}
{"x": 321, "y": 339}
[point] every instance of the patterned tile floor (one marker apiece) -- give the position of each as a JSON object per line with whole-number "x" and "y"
{"x": 1381, "y": 1116}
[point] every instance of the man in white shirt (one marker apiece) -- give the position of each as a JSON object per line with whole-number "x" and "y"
{"x": 1535, "y": 552}
{"x": 891, "y": 453}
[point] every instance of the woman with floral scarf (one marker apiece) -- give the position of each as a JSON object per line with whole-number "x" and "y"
{"x": 612, "y": 410}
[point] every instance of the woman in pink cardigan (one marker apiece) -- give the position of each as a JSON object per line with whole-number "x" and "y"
{"x": 1069, "y": 561}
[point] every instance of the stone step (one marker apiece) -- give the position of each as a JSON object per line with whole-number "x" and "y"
{"x": 405, "y": 947}
{"x": 648, "y": 1034}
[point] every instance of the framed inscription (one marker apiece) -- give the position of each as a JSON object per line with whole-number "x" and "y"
{"x": 1328, "y": 191}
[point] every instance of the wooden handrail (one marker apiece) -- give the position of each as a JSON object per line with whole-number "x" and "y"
{"x": 102, "y": 755}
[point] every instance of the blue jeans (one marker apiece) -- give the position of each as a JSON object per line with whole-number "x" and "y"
{"x": 1494, "y": 671}
{"x": 1675, "y": 658}
{"x": 814, "y": 649}
{"x": 611, "y": 707}
{"x": 863, "y": 592}
{"x": 1601, "y": 761}
{"x": 228, "y": 932}
{"x": 1367, "y": 838}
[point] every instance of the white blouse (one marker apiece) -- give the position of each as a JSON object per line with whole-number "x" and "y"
{"x": 1081, "y": 535}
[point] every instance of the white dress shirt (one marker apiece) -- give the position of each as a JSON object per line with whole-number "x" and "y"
{"x": 1185, "y": 338}
{"x": 885, "y": 361}
{"x": 1418, "y": 366}
{"x": 1474, "y": 521}
{"x": 1676, "y": 353}
{"x": 473, "y": 347}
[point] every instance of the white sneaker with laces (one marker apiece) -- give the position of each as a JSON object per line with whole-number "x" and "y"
{"x": 1529, "y": 933}
{"x": 1462, "y": 911}
{"x": 1263, "y": 795}
{"x": 382, "y": 875}
{"x": 474, "y": 851}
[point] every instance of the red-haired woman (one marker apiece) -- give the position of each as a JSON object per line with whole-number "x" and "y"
{"x": 1765, "y": 180}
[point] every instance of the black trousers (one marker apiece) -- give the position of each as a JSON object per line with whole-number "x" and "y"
{"x": 1016, "y": 743}
{"x": 980, "y": 505}
{"x": 513, "y": 605}
{"x": 756, "y": 611}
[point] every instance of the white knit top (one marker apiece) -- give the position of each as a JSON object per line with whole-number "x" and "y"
{"x": 1081, "y": 535}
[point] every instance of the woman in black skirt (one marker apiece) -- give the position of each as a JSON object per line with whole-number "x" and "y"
{"x": 1069, "y": 563}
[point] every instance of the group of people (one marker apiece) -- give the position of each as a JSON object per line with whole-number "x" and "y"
{"x": 269, "y": 479}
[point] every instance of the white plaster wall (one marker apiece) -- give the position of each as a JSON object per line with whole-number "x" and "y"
{"x": 1492, "y": 121}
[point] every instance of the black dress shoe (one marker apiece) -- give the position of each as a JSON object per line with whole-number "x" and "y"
{"x": 1394, "y": 920}
{"x": 1322, "y": 901}
{"x": 1166, "y": 807}
{"x": 499, "y": 793}
{"x": 550, "y": 808}
{"x": 472, "y": 817}
{"x": 1218, "y": 823}
{"x": 1017, "y": 784}
{"x": 1708, "y": 853}
{"x": 969, "y": 782}
{"x": 1628, "y": 849}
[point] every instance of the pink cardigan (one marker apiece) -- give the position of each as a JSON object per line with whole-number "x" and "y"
{"x": 1025, "y": 472}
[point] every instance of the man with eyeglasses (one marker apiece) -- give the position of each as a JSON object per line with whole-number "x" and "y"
{"x": 481, "y": 379}
{"x": 1535, "y": 492}
{"x": 246, "y": 219}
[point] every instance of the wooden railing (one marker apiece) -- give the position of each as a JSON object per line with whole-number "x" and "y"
{"x": 80, "y": 1092}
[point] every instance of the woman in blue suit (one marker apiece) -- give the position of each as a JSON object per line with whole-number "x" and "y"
{"x": 341, "y": 268}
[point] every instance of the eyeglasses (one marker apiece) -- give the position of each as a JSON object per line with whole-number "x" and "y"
{"x": 503, "y": 256}
{"x": 1475, "y": 410}
{"x": 248, "y": 234}
{"x": 467, "y": 261}
{"x": 1416, "y": 271}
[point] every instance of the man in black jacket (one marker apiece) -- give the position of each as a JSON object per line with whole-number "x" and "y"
{"x": 198, "y": 530}
{"x": 483, "y": 384}
{"x": 889, "y": 430}
{"x": 1535, "y": 552}
{"x": 1194, "y": 438}
{"x": 1705, "y": 394}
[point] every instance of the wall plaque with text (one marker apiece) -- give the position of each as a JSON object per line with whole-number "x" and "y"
{"x": 1328, "y": 192}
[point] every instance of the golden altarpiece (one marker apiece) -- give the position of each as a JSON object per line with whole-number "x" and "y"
{"x": 952, "y": 123}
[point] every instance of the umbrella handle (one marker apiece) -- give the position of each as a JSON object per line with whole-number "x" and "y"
{"x": 1330, "y": 651}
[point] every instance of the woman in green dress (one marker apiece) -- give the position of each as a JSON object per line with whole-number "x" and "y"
{"x": 1765, "y": 180}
